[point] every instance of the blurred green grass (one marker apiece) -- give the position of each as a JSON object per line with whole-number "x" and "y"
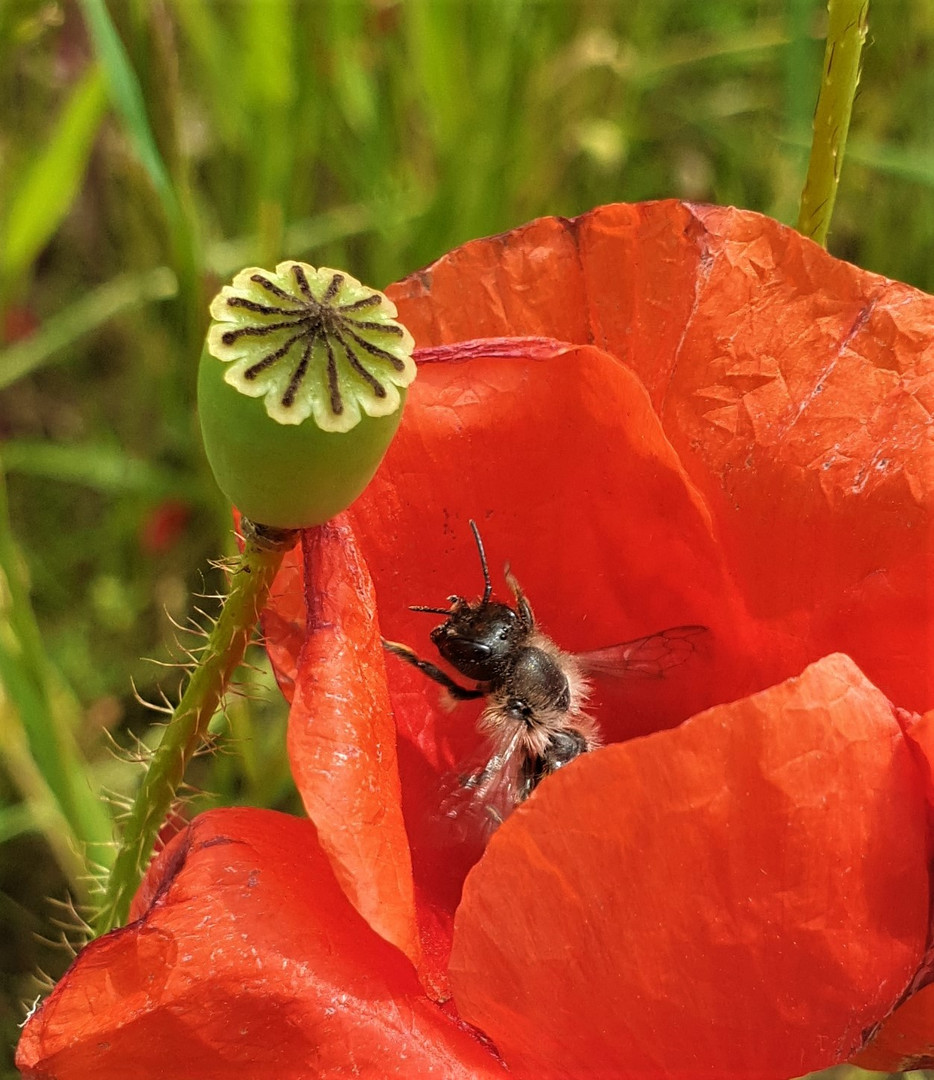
{"x": 150, "y": 149}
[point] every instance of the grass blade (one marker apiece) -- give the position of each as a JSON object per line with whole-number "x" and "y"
{"x": 48, "y": 187}
{"x": 89, "y": 313}
{"x": 104, "y": 468}
{"x": 127, "y": 98}
{"x": 42, "y": 713}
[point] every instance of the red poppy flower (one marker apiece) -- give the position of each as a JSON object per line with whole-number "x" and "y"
{"x": 163, "y": 526}
{"x": 661, "y": 415}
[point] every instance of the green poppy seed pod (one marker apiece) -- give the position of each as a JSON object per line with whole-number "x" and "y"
{"x": 300, "y": 391}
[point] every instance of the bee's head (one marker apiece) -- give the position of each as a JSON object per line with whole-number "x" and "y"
{"x": 478, "y": 638}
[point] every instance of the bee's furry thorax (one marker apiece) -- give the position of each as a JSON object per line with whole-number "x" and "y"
{"x": 543, "y": 693}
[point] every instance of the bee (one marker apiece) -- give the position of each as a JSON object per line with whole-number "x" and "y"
{"x": 535, "y": 719}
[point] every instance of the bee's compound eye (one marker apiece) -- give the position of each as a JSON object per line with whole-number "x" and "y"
{"x": 463, "y": 651}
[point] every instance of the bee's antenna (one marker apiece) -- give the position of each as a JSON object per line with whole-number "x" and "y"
{"x": 487, "y": 584}
{"x": 433, "y": 610}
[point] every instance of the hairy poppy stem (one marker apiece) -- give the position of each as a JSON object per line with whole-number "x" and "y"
{"x": 250, "y": 581}
{"x": 846, "y": 32}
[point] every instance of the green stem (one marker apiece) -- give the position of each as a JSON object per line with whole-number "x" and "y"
{"x": 249, "y": 587}
{"x": 846, "y": 32}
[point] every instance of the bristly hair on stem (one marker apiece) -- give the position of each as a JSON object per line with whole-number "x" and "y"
{"x": 187, "y": 727}
{"x": 846, "y": 32}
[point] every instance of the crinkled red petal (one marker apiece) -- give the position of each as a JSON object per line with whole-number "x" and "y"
{"x": 793, "y": 517}
{"x": 743, "y": 896}
{"x": 919, "y": 731}
{"x": 905, "y": 1040}
{"x": 782, "y": 498}
{"x": 250, "y": 962}
{"x": 285, "y": 620}
{"x": 556, "y": 452}
{"x": 795, "y": 388}
{"x": 342, "y": 738}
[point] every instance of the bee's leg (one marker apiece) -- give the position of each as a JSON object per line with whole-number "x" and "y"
{"x": 462, "y": 693}
{"x": 523, "y": 607}
{"x": 530, "y": 774}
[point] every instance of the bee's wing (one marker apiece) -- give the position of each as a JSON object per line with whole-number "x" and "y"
{"x": 482, "y": 793}
{"x": 646, "y": 657}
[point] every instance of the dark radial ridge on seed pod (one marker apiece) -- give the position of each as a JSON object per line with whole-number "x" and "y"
{"x": 311, "y": 343}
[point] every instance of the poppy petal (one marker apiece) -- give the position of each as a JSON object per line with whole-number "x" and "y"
{"x": 920, "y": 733}
{"x": 610, "y": 543}
{"x": 250, "y": 962}
{"x": 594, "y": 574}
{"x": 818, "y": 378}
{"x": 766, "y": 902}
{"x": 796, "y": 389}
{"x": 285, "y": 620}
{"x": 905, "y": 1040}
{"x": 342, "y": 739}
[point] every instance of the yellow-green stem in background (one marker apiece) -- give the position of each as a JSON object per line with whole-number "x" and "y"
{"x": 846, "y": 32}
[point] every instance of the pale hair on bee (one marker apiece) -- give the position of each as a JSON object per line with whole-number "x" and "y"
{"x": 535, "y": 719}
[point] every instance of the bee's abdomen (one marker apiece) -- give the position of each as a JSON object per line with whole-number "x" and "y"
{"x": 563, "y": 747}
{"x": 537, "y": 682}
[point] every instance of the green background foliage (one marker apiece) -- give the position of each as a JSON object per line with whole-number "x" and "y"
{"x": 151, "y": 148}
